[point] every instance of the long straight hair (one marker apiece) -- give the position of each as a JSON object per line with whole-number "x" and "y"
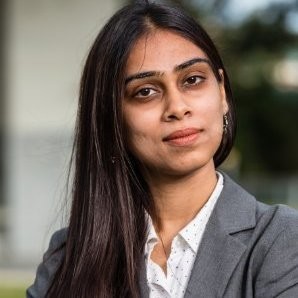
{"x": 107, "y": 229}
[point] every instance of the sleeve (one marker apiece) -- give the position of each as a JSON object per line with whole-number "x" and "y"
{"x": 278, "y": 276}
{"x": 46, "y": 270}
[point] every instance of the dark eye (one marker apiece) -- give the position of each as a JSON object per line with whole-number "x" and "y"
{"x": 193, "y": 80}
{"x": 144, "y": 92}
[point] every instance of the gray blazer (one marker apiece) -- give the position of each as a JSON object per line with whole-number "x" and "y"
{"x": 249, "y": 249}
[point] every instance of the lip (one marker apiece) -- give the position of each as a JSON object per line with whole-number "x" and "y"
{"x": 183, "y": 137}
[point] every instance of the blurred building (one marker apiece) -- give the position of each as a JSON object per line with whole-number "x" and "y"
{"x": 44, "y": 44}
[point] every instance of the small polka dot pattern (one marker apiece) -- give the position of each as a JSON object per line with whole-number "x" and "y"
{"x": 184, "y": 249}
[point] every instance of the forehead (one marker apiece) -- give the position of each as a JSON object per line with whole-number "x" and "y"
{"x": 161, "y": 50}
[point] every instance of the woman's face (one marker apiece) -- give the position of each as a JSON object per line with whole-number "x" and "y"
{"x": 173, "y": 106}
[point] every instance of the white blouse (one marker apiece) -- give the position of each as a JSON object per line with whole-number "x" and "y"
{"x": 183, "y": 252}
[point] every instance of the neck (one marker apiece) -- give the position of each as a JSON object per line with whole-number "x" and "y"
{"x": 178, "y": 199}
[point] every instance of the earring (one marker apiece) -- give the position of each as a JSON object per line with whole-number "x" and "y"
{"x": 225, "y": 123}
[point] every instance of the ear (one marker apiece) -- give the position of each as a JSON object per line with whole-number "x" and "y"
{"x": 223, "y": 91}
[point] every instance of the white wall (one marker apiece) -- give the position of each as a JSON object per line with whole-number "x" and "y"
{"x": 47, "y": 43}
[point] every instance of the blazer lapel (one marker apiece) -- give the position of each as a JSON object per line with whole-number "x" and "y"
{"x": 220, "y": 252}
{"x": 217, "y": 257}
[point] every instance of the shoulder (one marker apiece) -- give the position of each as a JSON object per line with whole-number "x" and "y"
{"x": 271, "y": 239}
{"x": 270, "y": 234}
{"x": 277, "y": 219}
{"x": 277, "y": 273}
{"x": 58, "y": 239}
{"x": 278, "y": 225}
{"x": 243, "y": 207}
{"x": 257, "y": 225}
{"x": 277, "y": 230}
{"x": 50, "y": 263}
{"x": 282, "y": 214}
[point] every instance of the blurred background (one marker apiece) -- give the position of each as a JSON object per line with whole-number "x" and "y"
{"x": 42, "y": 51}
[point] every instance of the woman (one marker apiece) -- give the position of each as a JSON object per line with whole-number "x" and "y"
{"x": 150, "y": 215}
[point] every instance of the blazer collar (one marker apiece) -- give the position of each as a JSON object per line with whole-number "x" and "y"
{"x": 235, "y": 209}
{"x": 219, "y": 251}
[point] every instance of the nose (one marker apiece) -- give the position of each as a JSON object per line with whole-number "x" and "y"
{"x": 176, "y": 107}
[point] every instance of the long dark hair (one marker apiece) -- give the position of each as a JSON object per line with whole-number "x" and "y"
{"x": 107, "y": 226}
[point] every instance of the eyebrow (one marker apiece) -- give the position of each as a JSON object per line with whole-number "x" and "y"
{"x": 142, "y": 75}
{"x": 191, "y": 62}
{"x": 179, "y": 67}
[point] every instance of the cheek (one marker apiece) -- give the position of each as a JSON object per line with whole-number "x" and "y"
{"x": 141, "y": 144}
{"x": 213, "y": 111}
{"x": 212, "y": 115}
{"x": 140, "y": 130}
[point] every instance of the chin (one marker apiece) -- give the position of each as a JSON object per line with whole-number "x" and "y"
{"x": 187, "y": 168}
